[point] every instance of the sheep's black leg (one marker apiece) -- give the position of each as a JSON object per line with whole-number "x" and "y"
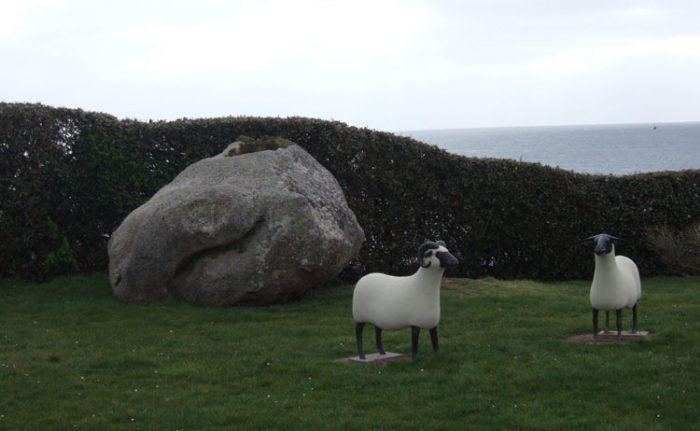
{"x": 607, "y": 322}
{"x": 359, "y": 327}
{"x": 434, "y": 338}
{"x": 415, "y": 331}
{"x": 380, "y": 346}
{"x": 634, "y": 319}
{"x": 618, "y": 313}
{"x": 595, "y": 326}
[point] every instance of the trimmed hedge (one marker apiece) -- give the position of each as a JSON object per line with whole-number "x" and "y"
{"x": 69, "y": 177}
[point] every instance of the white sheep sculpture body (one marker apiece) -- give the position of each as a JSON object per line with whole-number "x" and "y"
{"x": 392, "y": 303}
{"x": 616, "y": 284}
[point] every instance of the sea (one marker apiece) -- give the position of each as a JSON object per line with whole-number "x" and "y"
{"x": 610, "y": 149}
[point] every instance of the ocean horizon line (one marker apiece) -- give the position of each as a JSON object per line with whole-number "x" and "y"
{"x": 618, "y": 149}
{"x": 561, "y": 126}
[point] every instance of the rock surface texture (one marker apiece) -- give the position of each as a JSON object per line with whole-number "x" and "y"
{"x": 238, "y": 228}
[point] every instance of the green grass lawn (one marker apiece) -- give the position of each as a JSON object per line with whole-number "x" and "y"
{"x": 73, "y": 357}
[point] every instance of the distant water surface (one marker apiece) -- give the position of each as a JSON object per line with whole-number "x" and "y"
{"x": 596, "y": 149}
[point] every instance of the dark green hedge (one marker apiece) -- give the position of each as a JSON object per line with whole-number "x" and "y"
{"x": 69, "y": 177}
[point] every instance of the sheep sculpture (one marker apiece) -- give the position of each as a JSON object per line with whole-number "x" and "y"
{"x": 391, "y": 303}
{"x": 616, "y": 284}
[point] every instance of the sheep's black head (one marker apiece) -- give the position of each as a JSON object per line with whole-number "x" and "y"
{"x": 439, "y": 250}
{"x": 603, "y": 243}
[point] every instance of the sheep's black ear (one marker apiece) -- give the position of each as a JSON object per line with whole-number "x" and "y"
{"x": 422, "y": 253}
{"x": 441, "y": 242}
{"x": 421, "y": 259}
{"x": 589, "y": 241}
{"x": 615, "y": 239}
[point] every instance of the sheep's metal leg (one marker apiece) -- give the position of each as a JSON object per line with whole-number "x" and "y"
{"x": 380, "y": 345}
{"x": 595, "y": 326}
{"x": 434, "y": 339}
{"x": 359, "y": 327}
{"x": 618, "y": 314}
{"x": 634, "y": 319}
{"x": 415, "y": 332}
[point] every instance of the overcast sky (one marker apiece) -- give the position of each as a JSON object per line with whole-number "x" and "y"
{"x": 391, "y": 65}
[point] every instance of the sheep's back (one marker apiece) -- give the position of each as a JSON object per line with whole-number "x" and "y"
{"x": 631, "y": 273}
{"x": 384, "y": 301}
{"x": 616, "y": 286}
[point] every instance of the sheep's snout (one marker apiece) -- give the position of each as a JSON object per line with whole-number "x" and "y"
{"x": 446, "y": 259}
{"x": 603, "y": 247}
{"x": 600, "y": 250}
{"x": 603, "y": 243}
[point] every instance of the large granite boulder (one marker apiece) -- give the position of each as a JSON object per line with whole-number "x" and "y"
{"x": 242, "y": 227}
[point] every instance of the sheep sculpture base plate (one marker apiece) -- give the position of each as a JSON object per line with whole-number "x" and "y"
{"x": 377, "y": 357}
{"x": 626, "y": 333}
{"x": 609, "y": 337}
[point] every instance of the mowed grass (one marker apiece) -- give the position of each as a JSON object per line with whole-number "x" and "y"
{"x": 73, "y": 357}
